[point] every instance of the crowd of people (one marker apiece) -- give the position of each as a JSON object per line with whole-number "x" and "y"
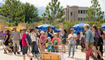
{"x": 27, "y": 41}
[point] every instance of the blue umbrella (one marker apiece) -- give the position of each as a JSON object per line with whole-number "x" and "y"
{"x": 103, "y": 27}
{"x": 79, "y": 25}
{"x": 57, "y": 30}
{"x": 78, "y": 28}
{"x": 44, "y": 27}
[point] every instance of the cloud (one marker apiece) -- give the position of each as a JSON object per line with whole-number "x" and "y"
{"x": 37, "y": 3}
{"x": 84, "y": 3}
{"x": 63, "y": 2}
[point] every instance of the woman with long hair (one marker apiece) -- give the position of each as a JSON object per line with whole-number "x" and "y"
{"x": 42, "y": 41}
{"x": 72, "y": 42}
{"x": 97, "y": 41}
{"x": 50, "y": 32}
{"x": 64, "y": 32}
{"x": 6, "y": 42}
{"x": 102, "y": 36}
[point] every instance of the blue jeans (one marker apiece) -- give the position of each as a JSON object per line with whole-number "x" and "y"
{"x": 71, "y": 48}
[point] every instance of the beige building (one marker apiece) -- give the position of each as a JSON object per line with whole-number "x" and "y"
{"x": 75, "y": 13}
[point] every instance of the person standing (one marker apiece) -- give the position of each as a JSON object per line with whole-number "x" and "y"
{"x": 50, "y": 48}
{"x": 55, "y": 42}
{"x": 101, "y": 40}
{"x": 97, "y": 41}
{"x": 64, "y": 40}
{"x": 50, "y": 32}
{"x": 15, "y": 38}
{"x": 103, "y": 36}
{"x": 7, "y": 41}
{"x": 34, "y": 43}
{"x": 78, "y": 40}
{"x": 61, "y": 29}
{"x": 42, "y": 41}
{"x": 25, "y": 45}
{"x": 82, "y": 40}
{"x": 29, "y": 36}
{"x": 20, "y": 37}
{"x": 72, "y": 42}
{"x": 89, "y": 42}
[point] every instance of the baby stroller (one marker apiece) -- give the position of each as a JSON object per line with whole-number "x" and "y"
{"x": 35, "y": 51}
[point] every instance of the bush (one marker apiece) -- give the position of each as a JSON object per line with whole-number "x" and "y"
{"x": 98, "y": 23}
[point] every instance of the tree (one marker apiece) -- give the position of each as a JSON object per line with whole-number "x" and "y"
{"x": 30, "y": 12}
{"x": 54, "y": 12}
{"x": 12, "y": 9}
{"x": 69, "y": 24}
{"x": 94, "y": 12}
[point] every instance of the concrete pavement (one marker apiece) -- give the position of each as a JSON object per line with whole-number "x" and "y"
{"x": 78, "y": 56}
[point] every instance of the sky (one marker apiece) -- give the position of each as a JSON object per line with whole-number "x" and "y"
{"x": 41, "y": 4}
{"x": 64, "y": 3}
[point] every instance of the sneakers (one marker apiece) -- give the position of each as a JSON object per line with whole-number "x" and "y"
{"x": 18, "y": 52}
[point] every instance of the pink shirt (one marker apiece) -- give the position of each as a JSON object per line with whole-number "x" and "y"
{"x": 42, "y": 39}
{"x": 23, "y": 40}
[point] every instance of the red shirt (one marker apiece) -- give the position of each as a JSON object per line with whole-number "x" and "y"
{"x": 55, "y": 41}
{"x": 43, "y": 39}
{"x": 24, "y": 37}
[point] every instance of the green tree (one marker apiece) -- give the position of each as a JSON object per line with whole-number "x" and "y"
{"x": 54, "y": 12}
{"x": 69, "y": 24}
{"x": 30, "y": 12}
{"x": 94, "y": 12}
{"x": 12, "y": 10}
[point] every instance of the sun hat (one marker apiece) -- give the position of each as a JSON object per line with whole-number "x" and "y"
{"x": 48, "y": 38}
{"x": 71, "y": 29}
{"x": 42, "y": 32}
{"x": 55, "y": 33}
{"x": 86, "y": 25}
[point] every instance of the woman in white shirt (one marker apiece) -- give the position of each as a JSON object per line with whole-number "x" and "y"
{"x": 34, "y": 45}
{"x": 72, "y": 42}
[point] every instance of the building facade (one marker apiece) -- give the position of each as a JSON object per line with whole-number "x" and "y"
{"x": 75, "y": 13}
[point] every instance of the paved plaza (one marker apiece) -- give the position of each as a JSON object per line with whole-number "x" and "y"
{"x": 78, "y": 56}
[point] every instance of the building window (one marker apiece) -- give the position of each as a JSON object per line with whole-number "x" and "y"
{"x": 79, "y": 19}
{"x": 71, "y": 13}
{"x": 83, "y": 11}
{"x": 79, "y": 11}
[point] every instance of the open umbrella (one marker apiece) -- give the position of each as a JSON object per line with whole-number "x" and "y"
{"x": 103, "y": 27}
{"x": 44, "y": 27}
{"x": 78, "y": 28}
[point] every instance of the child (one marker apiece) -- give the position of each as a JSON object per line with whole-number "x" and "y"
{"x": 49, "y": 49}
{"x": 82, "y": 41}
{"x": 55, "y": 42}
{"x": 42, "y": 41}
